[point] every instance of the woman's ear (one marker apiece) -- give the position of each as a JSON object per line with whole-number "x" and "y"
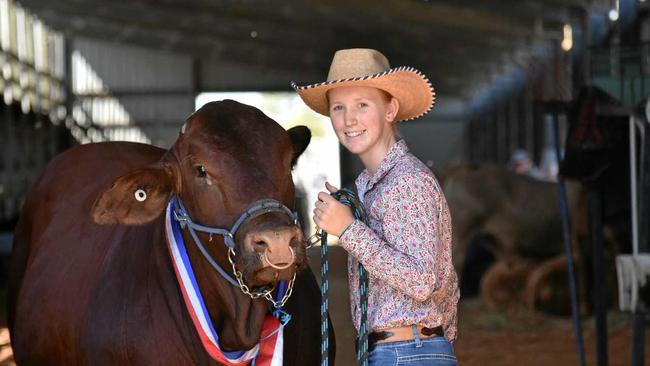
{"x": 391, "y": 111}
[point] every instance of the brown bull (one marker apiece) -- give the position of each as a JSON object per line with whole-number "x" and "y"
{"x": 521, "y": 218}
{"x": 92, "y": 282}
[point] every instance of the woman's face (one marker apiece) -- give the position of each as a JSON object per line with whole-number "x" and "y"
{"x": 362, "y": 118}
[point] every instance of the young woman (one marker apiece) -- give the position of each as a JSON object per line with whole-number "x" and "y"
{"x": 406, "y": 246}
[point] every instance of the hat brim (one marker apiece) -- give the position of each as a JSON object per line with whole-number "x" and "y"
{"x": 409, "y": 86}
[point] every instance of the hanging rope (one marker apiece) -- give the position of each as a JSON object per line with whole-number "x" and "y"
{"x": 350, "y": 199}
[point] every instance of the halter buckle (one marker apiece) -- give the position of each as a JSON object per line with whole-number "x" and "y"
{"x": 181, "y": 218}
{"x": 229, "y": 240}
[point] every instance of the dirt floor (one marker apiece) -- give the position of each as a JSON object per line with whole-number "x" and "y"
{"x": 485, "y": 338}
{"x": 488, "y": 338}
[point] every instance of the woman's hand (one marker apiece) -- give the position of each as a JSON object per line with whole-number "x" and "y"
{"x": 331, "y": 215}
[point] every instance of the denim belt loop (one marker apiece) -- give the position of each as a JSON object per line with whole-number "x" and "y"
{"x": 416, "y": 335}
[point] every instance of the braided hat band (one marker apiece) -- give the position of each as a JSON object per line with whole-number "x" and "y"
{"x": 367, "y": 67}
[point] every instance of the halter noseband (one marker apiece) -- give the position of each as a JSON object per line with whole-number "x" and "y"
{"x": 257, "y": 208}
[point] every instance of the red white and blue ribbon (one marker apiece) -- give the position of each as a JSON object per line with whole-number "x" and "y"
{"x": 268, "y": 351}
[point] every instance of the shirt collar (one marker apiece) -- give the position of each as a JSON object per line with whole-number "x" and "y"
{"x": 395, "y": 152}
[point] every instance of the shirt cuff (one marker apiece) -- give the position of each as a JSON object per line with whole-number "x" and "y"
{"x": 354, "y": 236}
{"x": 347, "y": 229}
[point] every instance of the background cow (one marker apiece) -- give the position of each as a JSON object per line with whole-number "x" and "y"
{"x": 88, "y": 294}
{"x": 514, "y": 221}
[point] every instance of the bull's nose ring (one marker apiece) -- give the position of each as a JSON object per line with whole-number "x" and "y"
{"x": 293, "y": 258}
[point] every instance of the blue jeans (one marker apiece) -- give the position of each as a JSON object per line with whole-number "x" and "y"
{"x": 426, "y": 352}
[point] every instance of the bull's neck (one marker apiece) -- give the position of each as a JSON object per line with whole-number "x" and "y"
{"x": 236, "y": 317}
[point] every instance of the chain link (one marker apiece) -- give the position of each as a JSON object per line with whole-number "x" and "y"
{"x": 267, "y": 294}
{"x": 314, "y": 239}
{"x": 279, "y": 304}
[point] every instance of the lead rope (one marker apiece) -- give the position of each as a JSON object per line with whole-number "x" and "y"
{"x": 324, "y": 302}
{"x": 350, "y": 199}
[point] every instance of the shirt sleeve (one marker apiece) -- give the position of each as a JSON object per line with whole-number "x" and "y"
{"x": 405, "y": 257}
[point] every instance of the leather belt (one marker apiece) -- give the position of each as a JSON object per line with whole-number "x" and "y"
{"x": 402, "y": 334}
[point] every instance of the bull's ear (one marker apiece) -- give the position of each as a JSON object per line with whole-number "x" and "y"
{"x": 135, "y": 198}
{"x": 300, "y": 137}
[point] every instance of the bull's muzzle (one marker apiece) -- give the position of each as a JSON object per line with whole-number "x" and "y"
{"x": 275, "y": 246}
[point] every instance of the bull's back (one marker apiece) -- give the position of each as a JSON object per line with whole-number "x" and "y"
{"x": 59, "y": 251}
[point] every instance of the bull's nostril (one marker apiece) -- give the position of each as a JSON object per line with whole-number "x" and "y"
{"x": 260, "y": 245}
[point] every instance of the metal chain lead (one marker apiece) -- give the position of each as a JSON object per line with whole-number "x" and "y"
{"x": 350, "y": 199}
{"x": 267, "y": 293}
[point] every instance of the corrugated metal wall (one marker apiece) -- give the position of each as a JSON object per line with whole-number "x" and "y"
{"x": 155, "y": 88}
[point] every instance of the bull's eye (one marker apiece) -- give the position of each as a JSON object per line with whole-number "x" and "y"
{"x": 200, "y": 171}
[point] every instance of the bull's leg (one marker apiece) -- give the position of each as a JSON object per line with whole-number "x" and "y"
{"x": 462, "y": 238}
{"x": 480, "y": 256}
{"x": 506, "y": 238}
{"x": 502, "y": 283}
{"x": 546, "y": 288}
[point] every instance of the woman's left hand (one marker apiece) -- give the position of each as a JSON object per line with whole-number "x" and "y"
{"x": 331, "y": 215}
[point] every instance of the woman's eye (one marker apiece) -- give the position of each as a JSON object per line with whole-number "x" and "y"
{"x": 200, "y": 171}
{"x": 363, "y": 105}
{"x": 337, "y": 108}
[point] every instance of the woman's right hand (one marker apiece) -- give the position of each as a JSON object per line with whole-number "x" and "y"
{"x": 331, "y": 215}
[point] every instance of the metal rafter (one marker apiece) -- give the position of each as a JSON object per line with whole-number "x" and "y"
{"x": 448, "y": 40}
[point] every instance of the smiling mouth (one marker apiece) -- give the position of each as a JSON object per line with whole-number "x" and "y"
{"x": 354, "y": 133}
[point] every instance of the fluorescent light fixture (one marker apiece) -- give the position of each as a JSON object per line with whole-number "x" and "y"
{"x": 613, "y": 14}
{"x": 567, "y": 39}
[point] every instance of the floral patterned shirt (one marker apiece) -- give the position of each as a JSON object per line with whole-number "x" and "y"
{"x": 406, "y": 248}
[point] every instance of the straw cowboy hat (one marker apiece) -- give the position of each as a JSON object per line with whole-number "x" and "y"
{"x": 367, "y": 67}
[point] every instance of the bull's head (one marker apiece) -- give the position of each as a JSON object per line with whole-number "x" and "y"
{"x": 227, "y": 157}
